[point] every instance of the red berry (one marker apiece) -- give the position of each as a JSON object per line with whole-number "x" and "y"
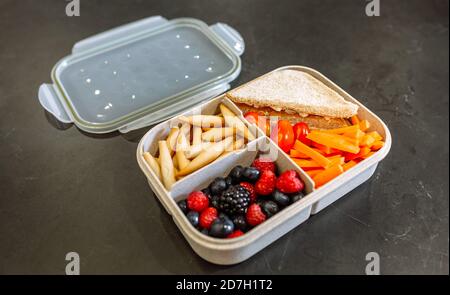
{"x": 197, "y": 201}
{"x": 235, "y": 234}
{"x": 249, "y": 187}
{"x": 289, "y": 183}
{"x": 207, "y": 217}
{"x": 266, "y": 183}
{"x": 255, "y": 215}
{"x": 263, "y": 164}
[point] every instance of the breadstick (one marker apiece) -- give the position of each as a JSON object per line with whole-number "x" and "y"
{"x": 239, "y": 143}
{"x": 206, "y": 156}
{"x": 232, "y": 120}
{"x": 172, "y": 139}
{"x": 217, "y": 134}
{"x": 175, "y": 161}
{"x": 194, "y": 150}
{"x": 167, "y": 168}
{"x": 180, "y": 155}
{"x": 153, "y": 164}
{"x": 196, "y": 135}
{"x": 203, "y": 120}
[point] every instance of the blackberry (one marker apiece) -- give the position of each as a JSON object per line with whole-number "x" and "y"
{"x": 234, "y": 200}
{"x": 240, "y": 222}
{"x": 214, "y": 201}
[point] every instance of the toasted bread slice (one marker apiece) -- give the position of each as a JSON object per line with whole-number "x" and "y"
{"x": 294, "y": 91}
{"x": 313, "y": 121}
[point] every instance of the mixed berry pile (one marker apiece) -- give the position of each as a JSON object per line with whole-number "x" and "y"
{"x": 232, "y": 205}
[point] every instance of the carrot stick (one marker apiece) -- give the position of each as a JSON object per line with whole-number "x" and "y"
{"x": 362, "y": 152}
{"x": 341, "y": 130}
{"x": 332, "y": 140}
{"x": 296, "y": 154}
{"x": 366, "y": 140}
{"x": 368, "y": 155}
{"x": 364, "y": 125}
{"x": 355, "y": 120}
{"x": 353, "y": 141}
{"x": 327, "y": 175}
{"x": 316, "y": 156}
{"x": 306, "y": 163}
{"x": 357, "y": 133}
{"x": 314, "y": 172}
{"x": 375, "y": 135}
{"x": 377, "y": 145}
{"x": 349, "y": 165}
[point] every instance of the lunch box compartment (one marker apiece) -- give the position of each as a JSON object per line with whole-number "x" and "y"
{"x": 231, "y": 251}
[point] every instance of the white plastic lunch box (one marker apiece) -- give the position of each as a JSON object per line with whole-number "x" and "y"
{"x": 153, "y": 69}
{"x": 231, "y": 251}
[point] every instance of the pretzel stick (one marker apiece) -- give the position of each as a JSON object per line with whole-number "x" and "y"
{"x": 172, "y": 139}
{"x": 196, "y": 135}
{"x": 180, "y": 155}
{"x": 153, "y": 164}
{"x": 167, "y": 168}
{"x": 232, "y": 120}
{"x": 217, "y": 134}
{"x": 206, "y": 156}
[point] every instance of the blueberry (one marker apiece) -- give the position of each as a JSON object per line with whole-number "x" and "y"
{"x": 251, "y": 174}
{"x": 192, "y": 216}
{"x": 229, "y": 181}
{"x": 206, "y": 191}
{"x": 221, "y": 228}
{"x": 223, "y": 216}
{"x": 205, "y": 231}
{"x": 297, "y": 197}
{"x": 236, "y": 173}
{"x": 270, "y": 208}
{"x": 281, "y": 199}
{"x": 240, "y": 222}
{"x": 183, "y": 206}
{"x": 218, "y": 185}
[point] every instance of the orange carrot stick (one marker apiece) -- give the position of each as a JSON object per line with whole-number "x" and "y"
{"x": 314, "y": 172}
{"x": 327, "y": 175}
{"x": 364, "y": 125}
{"x": 296, "y": 154}
{"x": 377, "y": 145}
{"x": 366, "y": 140}
{"x": 375, "y": 135}
{"x": 306, "y": 163}
{"x": 357, "y": 133}
{"x": 355, "y": 120}
{"x": 362, "y": 152}
{"x": 349, "y": 165}
{"x": 316, "y": 156}
{"x": 332, "y": 140}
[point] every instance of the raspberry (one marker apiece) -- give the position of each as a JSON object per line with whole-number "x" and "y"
{"x": 197, "y": 201}
{"x": 207, "y": 217}
{"x": 266, "y": 183}
{"x": 249, "y": 187}
{"x": 235, "y": 234}
{"x": 255, "y": 215}
{"x": 263, "y": 164}
{"x": 289, "y": 183}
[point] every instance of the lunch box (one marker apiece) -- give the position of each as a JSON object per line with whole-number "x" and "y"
{"x": 231, "y": 251}
{"x": 156, "y": 70}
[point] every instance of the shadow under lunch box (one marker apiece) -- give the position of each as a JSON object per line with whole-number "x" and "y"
{"x": 155, "y": 70}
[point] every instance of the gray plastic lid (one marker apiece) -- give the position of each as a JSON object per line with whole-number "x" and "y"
{"x": 142, "y": 73}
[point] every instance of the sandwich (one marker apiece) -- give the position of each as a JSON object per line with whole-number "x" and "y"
{"x": 297, "y": 97}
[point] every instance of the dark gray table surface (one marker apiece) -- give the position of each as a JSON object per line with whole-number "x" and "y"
{"x": 64, "y": 190}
